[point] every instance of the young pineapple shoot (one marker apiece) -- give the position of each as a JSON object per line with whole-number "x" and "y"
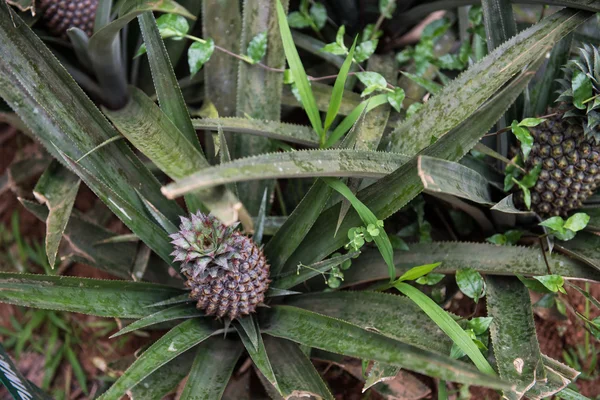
{"x": 566, "y": 145}
{"x": 226, "y": 271}
{"x": 60, "y": 15}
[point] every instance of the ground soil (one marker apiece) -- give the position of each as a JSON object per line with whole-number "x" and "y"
{"x": 554, "y": 335}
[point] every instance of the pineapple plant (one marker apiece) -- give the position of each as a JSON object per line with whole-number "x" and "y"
{"x": 566, "y": 144}
{"x": 199, "y": 267}
{"x": 227, "y": 273}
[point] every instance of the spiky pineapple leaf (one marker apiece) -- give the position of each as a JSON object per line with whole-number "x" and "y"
{"x": 306, "y": 272}
{"x": 19, "y": 172}
{"x": 544, "y": 91}
{"x": 380, "y": 372}
{"x": 483, "y": 257}
{"x": 181, "y": 311}
{"x": 295, "y": 228}
{"x": 296, "y": 376}
{"x": 394, "y": 191}
{"x": 248, "y": 324}
{"x": 222, "y": 21}
{"x": 165, "y": 82}
{"x": 379, "y": 312}
{"x": 423, "y": 10}
{"x": 513, "y": 334}
{"x": 507, "y": 205}
{"x": 57, "y": 189}
{"x": 94, "y": 245}
{"x": 340, "y": 337}
{"x": 258, "y": 354}
{"x": 452, "y": 178}
{"x": 165, "y": 379}
{"x": 213, "y": 365}
{"x": 87, "y": 296}
{"x": 151, "y": 233}
{"x": 291, "y": 164}
{"x": 584, "y": 247}
{"x": 181, "y": 298}
{"x": 81, "y": 126}
{"x": 558, "y": 377}
{"x": 464, "y": 95}
{"x": 259, "y": 91}
{"x": 175, "y": 342}
{"x": 153, "y": 133}
{"x": 292, "y": 133}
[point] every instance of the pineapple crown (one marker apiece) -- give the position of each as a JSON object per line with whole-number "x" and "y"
{"x": 205, "y": 246}
{"x": 580, "y": 84}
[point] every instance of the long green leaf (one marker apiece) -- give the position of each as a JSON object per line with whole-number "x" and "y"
{"x": 222, "y": 22}
{"x": 165, "y": 379}
{"x": 293, "y": 133}
{"x": 337, "y": 336}
{"x": 300, "y": 78}
{"x": 56, "y": 188}
{"x": 87, "y": 296}
{"x": 513, "y": 334}
{"x": 423, "y": 10}
{"x": 295, "y": 374}
{"x": 483, "y": 257}
{"x": 583, "y": 247}
{"x": 291, "y": 164}
{"x": 178, "y": 340}
{"x": 259, "y": 90}
{"x": 558, "y": 377}
{"x": 81, "y": 127}
{"x": 213, "y": 365}
{"x": 544, "y": 93}
{"x": 338, "y": 88}
{"x": 452, "y": 178}
{"x": 94, "y": 245}
{"x": 379, "y": 312}
{"x": 144, "y": 124}
{"x": 297, "y": 226}
{"x": 181, "y": 311}
{"x": 154, "y": 237}
{"x": 448, "y": 325}
{"x": 248, "y": 324}
{"x": 459, "y": 99}
{"x": 258, "y": 354}
{"x": 167, "y": 89}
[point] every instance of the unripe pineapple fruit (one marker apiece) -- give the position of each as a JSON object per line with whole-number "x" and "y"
{"x": 60, "y": 15}
{"x": 226, "y": 271}
{"x": 567, "y": 144}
